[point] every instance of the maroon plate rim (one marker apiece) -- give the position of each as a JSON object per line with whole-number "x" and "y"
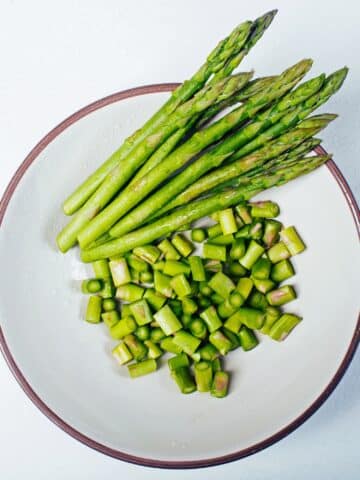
{"x": 207, "y": 462}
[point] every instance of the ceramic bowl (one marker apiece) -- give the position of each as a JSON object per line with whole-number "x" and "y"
{"x": 64, "y": 364}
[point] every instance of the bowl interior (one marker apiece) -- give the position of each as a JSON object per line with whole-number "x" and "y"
{"x": 68, "y": 362}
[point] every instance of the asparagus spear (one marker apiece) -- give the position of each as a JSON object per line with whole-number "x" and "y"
{"x": 200, "y": 208}
{"x": 288, "y": 158}
{"x": 215, "y": 62}
{"x": 213, "y": 158}
{"x": 120, "y": 174}
{"x": 230, "y": 173}
{"x": 201, "y": 139}
{"x": 252, "y": 88}
{"x": 259, "y": 26}
{"x": 331, "y": 86}
{"x": 222, "y": 60}
{"x": 224, "y": 99}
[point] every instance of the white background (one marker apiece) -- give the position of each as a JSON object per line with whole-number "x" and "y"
{"x": 57, "y": 57}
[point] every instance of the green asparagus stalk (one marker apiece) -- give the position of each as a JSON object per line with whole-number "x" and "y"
{"x": 215, "y": 62}
{"x": 253, "y": 87}
{"x": 217, "y": 177}
{"x": 258, "y": 27}
{"x": 198, "y": 209}
{"x": 211, "y": 159}
{"x": 135, "y": 193}
{"x": 331, "y": 86}
{"x": 225, "y": 98}
{"x": 257, "y": 30}
{"x": 121, "y": 174}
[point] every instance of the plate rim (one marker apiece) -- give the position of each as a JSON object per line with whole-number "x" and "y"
{"x": 67, "y": 428}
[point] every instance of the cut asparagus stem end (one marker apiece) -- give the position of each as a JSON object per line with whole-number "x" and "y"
{"x": 198, "y": 328}
{"x": 154, "y": 351}
{"x": 211, "y": 319}
{"x": 282, "y": 271}
{"x": 122, "y": 354}
{"x": 271, "y": 232}
{"x": 203, "y": 376}
{"x": 292, "y": 240}
{"x": 197, "y": 269}
{"x": 93, "y": 285}
{"x": 167, "y": 320}
{"x": 174, "y": 267}
{"x": 120, "y": 272}
{"x": 124, "y": 327}
{"x": 180, "y": 285}
{"x": 272, "y": 314}
{"x": 184, "y": 380}
{"x": 170, "y": 252}
{"x": 110, "y": 318}
{"x": 141, "y": 312}
{"x": 169, "y": 345}
{"x": 278, "y": 252}
{"x": 182, "y": 245}
{"x": 180, "y": 360}
{"x": 136, "y": 347}
{"x": 247, "y": 339}
{"x": 187, "y": 342}
{"x": 227, "y": 221}
{"x": 148, "y": 253}
{"x": 253, "y": 252}
{"x": 281, "y": 296}
{"x": 93, "y": 311}
{"x": 198, "y": 235}
{"x": 129, "y": 292}
{"x": 282, "y": 327}
{"x": 214, "y": 252}
{"x": 220, "y": 342}
{"x": 264, "y": 210}
{"x": 220, "y": 384}
{"x": 142, "y": 368}
{"x": 222, "y": 284}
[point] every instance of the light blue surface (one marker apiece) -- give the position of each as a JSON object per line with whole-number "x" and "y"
{"x": 59, "y": 56}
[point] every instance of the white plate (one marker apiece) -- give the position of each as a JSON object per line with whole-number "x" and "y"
{"x": 64, "y": 364}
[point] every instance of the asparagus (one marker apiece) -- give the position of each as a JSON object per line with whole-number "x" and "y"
{"x": 93, "y": 310}
{"x": 122, "y": 353}
{"x": 133, "y": 194}
{"x": 331, "y": 86}
{"x": 251, "y": 88}
{"x": 142, "y": 368}
{"x": 121, "y": 174}
{"x": 214, "y": 252}
{"x": 93, "y": 285}
{"x": 293, "y": 154}
{"x": 224, "y": 98}
{"x": 110, "y": 318}
{"x": 198, "y": 209}
{"x": 203, "y": 376}
{"x": 217, "y": 177}
{"x": 216, "y": 62}
{"x": 209, "y": 160}
{"x": 108, "y": 305}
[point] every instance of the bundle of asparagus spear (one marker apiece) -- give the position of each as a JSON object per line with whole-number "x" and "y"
{"x": 190, "y": 160}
